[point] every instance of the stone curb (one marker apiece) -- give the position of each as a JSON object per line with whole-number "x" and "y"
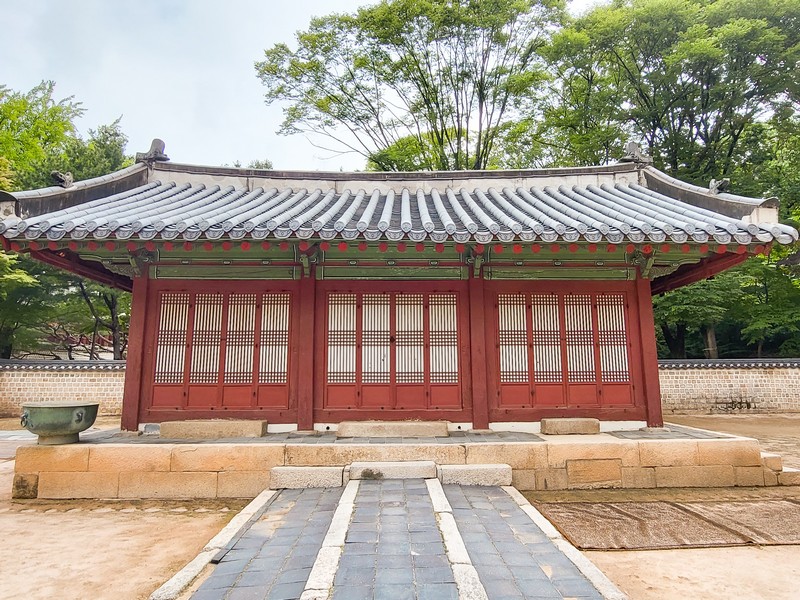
{"x": 173, "y": 587}
{"x": 597, "y": 578}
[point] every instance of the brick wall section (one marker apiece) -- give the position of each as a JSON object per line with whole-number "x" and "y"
{"x": 687, "y": 387}
{"x": 730, "y": 386}
{"x": 29, "y": 381}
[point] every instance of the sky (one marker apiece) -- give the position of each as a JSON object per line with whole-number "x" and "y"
{"x": 182, "y": 71}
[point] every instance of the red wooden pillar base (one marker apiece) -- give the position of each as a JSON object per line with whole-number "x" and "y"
{"x": 134, "y": 365}
{"x": 307, "y": 291}
{"x": 477, "y": 341}
{"x": 647, "y": 333}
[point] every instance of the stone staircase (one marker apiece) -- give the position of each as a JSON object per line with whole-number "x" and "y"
{"x": 300, "y": 477}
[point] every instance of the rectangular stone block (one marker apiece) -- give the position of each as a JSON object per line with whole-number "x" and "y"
{"x": 305, "y": 477}
{"x": 695, "y": 476}
{"x": 392, "y": 429}
{"x": 345, "y": 454}
{"x": 571, "y": 426}
{"x": 167, "y": 485}
{"x": 562, "y": 449}
{"x": 727, "y": 451}
{"x": 476, "y": 474}
{"x": 213, "y": 429}
{"x": 33, "y": 459}
{"x": 600, "y": 473}
{"x": 241, "y": 484}
{"x": 523, "y": 479}
{"x": 77, "y": 484}
{"x": 519, "y": 455}
{"x": 552, "y": 479}
{"x": 412, "y": 469}
{"x": 789, "y": 476}
{"x": 749, "y": 476}
{"x": 129, "y": 457}
{"x": 770, "y": 477}
{"x": 226, "y": 457}
{"x": 638, "y": 477}
{"x": 772, "y": 461}
{"x": 667, "y": 453}
{"x": 25, "y": 486}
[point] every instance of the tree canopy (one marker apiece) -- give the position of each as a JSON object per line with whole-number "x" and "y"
{"x": 435, "y": 78}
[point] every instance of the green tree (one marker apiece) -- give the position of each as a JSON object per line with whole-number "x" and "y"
{"x": 686, "y": 76}
{"x": 33, "y": 126}
{"x": 696, "y": 309}
{"x": 38, "y": 136}
{"x": 445, "y": 73}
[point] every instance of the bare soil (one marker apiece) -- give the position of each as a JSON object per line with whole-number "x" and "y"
{"x": 80, "y": 549}
{"x": 769, "y": 572}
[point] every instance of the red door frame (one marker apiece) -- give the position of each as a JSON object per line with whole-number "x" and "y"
{"x": 636, "y": 357}
{"x": 323, "y": 414}
{"x": 149, "y": 414}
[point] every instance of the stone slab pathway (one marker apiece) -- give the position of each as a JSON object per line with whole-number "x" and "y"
{"x": 400, "y": 539}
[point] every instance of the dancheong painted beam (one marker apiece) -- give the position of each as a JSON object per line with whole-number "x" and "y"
{"x": 483, "y": 298}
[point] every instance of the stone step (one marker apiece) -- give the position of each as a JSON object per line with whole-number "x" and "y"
{"x": 772, "y": 461}
{"x": 789, "y": 476}
{"x": 570, "y": 426}
{"x": 294, "y": 478}
{"x": 392, "y": 429}
{"x": 416, "y": 469}
{"x": 488, "y": 474}
{"x": 213, "y": 429}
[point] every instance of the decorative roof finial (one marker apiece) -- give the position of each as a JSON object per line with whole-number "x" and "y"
{"x": 635, "y": 154}
{"x": 65, "y": 180}
{"x": 155, "y": 154}
{"x": 715, "y": 187}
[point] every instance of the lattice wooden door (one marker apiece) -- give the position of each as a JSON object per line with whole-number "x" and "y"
{"x": 392, "y": 350}
{"x": 562, "y": 349}
{"x": 221, "y": 350}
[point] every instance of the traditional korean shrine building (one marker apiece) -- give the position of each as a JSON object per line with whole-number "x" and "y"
{"x": 487, "y": 298}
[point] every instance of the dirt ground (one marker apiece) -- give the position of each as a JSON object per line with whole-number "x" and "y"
{"x": 84, "y": 549}
{"x": 769, "y": 572}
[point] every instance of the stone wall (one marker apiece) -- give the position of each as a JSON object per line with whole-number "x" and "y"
{"x": 730, "y": 386}
{"x": 33, "y": 381}
{"x": 687, "y": 386}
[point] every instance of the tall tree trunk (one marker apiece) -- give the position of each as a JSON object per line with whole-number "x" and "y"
{"x": 710, "y": 334}
{"x": 676, "y": 342}
{"x": 6, "y": 342}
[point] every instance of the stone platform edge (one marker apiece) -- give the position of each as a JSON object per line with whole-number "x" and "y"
{"x": 242, "y": 470}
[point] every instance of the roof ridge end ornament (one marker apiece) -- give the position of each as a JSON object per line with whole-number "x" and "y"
{"x": 635, "y": 154}
{"x": 65, "y": 180}
{"x": 155, "y": 154}
{"x": 715, "y": 187}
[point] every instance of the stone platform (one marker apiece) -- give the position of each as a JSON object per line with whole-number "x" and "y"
{"x": 113, "y": 465}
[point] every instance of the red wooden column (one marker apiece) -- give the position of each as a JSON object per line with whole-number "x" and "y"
{"x": 647, "y": 335}
{"x": 134, "y": 365}
{"x": 307, "y": 290}
{"x": 478, "y": 358}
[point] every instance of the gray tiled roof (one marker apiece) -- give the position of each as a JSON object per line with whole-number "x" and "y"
{"x": 612, "y": 212}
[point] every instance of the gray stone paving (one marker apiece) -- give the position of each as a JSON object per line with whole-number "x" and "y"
{"x": 393, "y": 549}
{"x": 272, "y": 560}
{"x": 513, "y": 557}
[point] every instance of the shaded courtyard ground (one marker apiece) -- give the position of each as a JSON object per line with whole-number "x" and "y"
{"x": 94, "y": 549}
